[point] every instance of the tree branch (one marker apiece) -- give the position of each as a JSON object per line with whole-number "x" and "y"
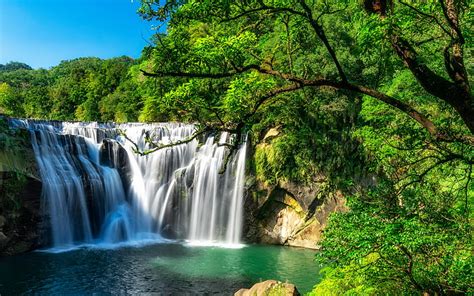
{"x": 409, "y": 269}
{"x": 263, "y": 7}
{"x": 298, "y": 83}
{"x": 453, "y": 53}
{"x": 157, "y": 147}
{"x": 307, "y": 14}
{"x": 322, "y": 35}
{"x": 428, "y": 16}
{"x": 197, "y": 75}
{"x": 438, "y": 86}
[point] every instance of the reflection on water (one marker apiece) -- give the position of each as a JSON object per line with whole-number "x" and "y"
{"x": 171, "y": 268}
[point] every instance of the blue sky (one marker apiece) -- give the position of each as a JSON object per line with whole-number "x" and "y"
{"x": 42, "y": 33}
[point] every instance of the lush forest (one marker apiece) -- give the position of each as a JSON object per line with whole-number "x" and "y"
{"x": 376, "y": 95}
{"x": 81, "y": 89}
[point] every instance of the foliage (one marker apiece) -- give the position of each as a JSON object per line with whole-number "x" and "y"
{"x": 12, "y": 140}
{"x": 313, "y": 140}
{"x": 416, "y": 218}
{"x": 82, "y": 89}
{"x": 375, "y": 96}
{"x": 398, "y": 252}
{"x": 346, "y": 280}
{"x": 10, "y": 189}
{"x": 12, "y": 66}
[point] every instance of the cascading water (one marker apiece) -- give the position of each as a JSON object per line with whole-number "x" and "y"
{"x": 98, "y": 190}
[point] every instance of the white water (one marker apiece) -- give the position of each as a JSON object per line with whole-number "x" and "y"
{"x": 97, "y": 190}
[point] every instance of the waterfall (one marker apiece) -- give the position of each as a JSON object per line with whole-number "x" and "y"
{"x": 97, "y": 189}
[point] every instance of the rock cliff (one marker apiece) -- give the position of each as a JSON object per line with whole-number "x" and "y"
{"x": 21, "y": 221}
{"x": 288, "y": 213}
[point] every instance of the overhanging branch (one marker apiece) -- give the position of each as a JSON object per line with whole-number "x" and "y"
{"x": 299, "y": 83}
{"x": 197, "y": 75}
{"x": 157, "y": 146}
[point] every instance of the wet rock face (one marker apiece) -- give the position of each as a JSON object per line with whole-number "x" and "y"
{"x": 22, "y": 228}
{"x": 115, "y": 156}
{"x": 21, "y": 221}
{"x": 269, "y": 287}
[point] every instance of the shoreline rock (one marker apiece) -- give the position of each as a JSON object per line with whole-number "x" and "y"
{"x": 269, "y": 288}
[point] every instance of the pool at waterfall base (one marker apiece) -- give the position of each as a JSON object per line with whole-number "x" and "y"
{"x": 108, "y": 209}
{"x": 165, "y": 268}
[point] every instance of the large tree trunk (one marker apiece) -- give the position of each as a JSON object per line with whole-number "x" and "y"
{"x": 455, "y": 94}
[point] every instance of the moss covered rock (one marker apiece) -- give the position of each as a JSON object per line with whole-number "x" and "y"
{"x": 282, "y": 211}
{"x": 21, "y": 220}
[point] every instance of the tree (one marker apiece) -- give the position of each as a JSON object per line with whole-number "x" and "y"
{"x": 78, "y": 89}
{"x": 5, "y": 95}
{"x": 12, "y": 66}
{"x": 236, "y": 65}
{"x": 300, "y": 18}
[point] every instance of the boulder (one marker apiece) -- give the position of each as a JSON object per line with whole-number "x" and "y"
{"x": 269, "y": 288}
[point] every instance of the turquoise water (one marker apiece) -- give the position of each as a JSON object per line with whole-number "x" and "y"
{"x": 172, "y": 269}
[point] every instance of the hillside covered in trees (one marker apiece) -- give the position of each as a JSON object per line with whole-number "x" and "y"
{"x": 81, "y": 89}
{"x": 375, "y": 95}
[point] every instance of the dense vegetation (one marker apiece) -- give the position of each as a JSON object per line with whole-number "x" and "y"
{"x": 375, "y": 95}
{"x": 81, "y": 89}
{"x": 330, "y": 74}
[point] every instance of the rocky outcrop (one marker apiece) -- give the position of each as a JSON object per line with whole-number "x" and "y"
{"x": 112, "y": 154}
{"x": 269, "y": 288}
{"x": 21, "y": 221}
{"x": 21, "y": 225}
{"x": 288, "y": 213}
